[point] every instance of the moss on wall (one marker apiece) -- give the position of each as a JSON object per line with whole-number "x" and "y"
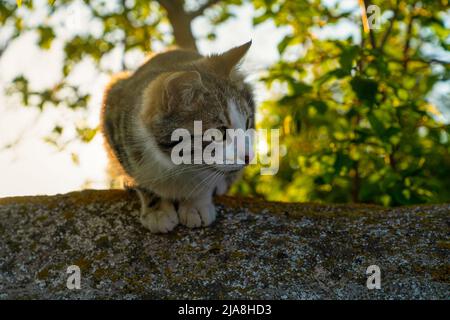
{"x": 256, "y": 249}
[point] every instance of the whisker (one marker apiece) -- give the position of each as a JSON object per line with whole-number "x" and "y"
{"x": 201, "y": 182}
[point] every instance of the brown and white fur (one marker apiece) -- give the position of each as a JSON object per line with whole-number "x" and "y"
{"x": 140, "y": 112}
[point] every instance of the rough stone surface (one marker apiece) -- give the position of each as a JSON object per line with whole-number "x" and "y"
{"x": 256, "y": 250}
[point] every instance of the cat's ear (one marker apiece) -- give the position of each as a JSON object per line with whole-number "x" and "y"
{"x": 224, "y": 63}
{"x": 182, "y": 84}
{"x": 182, "y": 80}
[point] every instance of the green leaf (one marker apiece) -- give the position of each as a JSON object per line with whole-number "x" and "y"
{"x": 365, "y": 89}
{"x": 87, "y": 134}
{"x": 342, "y": 160}
{"x": 376, "y": 124}
{"x": 347, "y": 57}
{"x": 298, "y": 88}
{"x": 46, "y": 36}
{"x": 320, "y": 106}
{"x": 284, "y": 43}
{"x": 260, "y": 19}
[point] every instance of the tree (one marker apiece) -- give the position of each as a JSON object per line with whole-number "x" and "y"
{"x": 355, "y": 116}
{"x": 124, "y": 26}
{"x": 354, "y": 111}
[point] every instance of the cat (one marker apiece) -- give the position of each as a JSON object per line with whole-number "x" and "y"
{"x": 139, "y": 114}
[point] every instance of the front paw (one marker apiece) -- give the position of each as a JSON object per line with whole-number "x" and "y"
{"x": 160, "y": 219}
{"x": 194, "y": 215}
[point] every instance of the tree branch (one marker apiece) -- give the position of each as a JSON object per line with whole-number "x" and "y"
{"x": 180, "y": 21}
{"x": 391, "y": 26}
{"x": 6, "y": 44}
{"x": 373, "y": 41}
{"x": 424, "y": 61}
{"x": 166, "y": 4}
{"x": 408, "y": 41}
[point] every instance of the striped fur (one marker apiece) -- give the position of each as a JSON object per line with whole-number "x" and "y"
{"x": 170, "y": 91}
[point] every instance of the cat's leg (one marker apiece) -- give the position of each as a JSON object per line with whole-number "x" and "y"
{"x": 157, "y": 215}
{"x": 223, "y": 184}
{"x": 195, "y": 213}
{"x": 201, "y": 211}
{"x": 221, "y": 187}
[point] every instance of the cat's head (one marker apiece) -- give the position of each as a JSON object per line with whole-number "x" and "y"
{"x": 209, "y": 89}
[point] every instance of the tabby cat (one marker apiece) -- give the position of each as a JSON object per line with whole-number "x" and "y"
{"x": 140, "y": 112}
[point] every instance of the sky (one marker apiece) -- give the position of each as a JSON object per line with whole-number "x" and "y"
{"x": 35, "y": 167}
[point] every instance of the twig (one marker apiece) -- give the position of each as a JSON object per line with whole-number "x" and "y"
{"x": 391, "y": 26}
{"x": 371, "y": 34}
{"x": 408, "y": 41}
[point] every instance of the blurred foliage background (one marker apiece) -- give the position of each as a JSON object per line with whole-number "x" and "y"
{"x": 356, "y": 122}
